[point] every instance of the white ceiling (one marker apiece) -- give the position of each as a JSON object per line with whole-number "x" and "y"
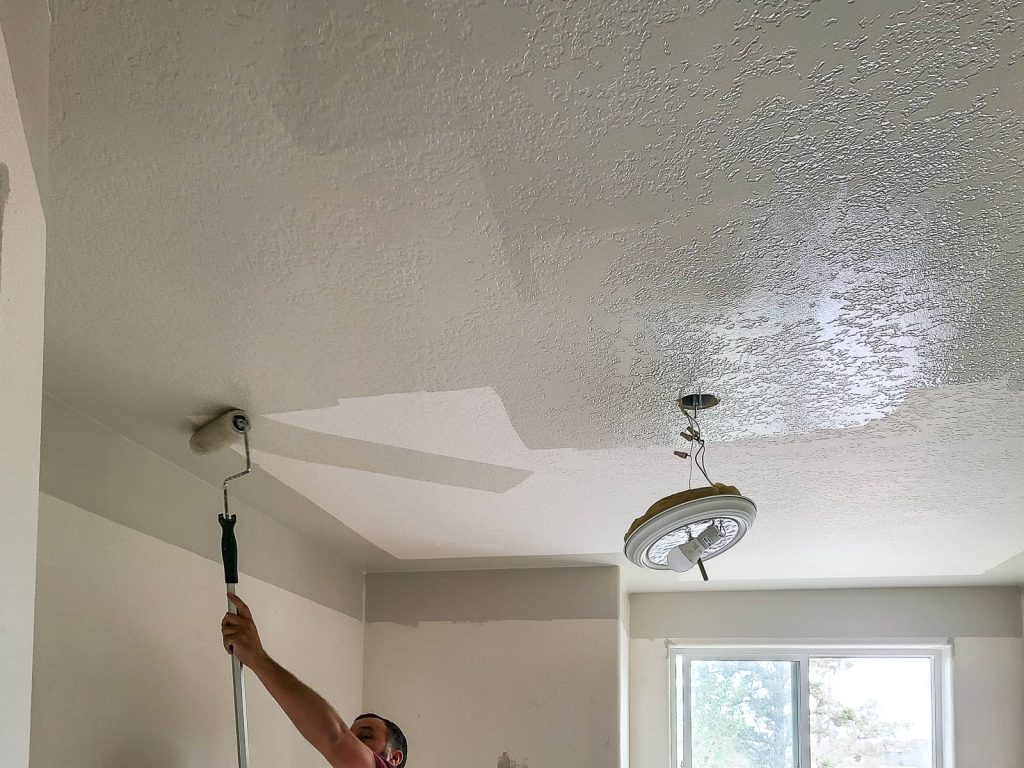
{"x": 462, "y": 255}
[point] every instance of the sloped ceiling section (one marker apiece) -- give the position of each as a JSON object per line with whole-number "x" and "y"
{"x": 493, "y": 240}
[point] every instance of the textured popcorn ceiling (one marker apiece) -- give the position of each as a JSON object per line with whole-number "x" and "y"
{"x": 508, "y": 233}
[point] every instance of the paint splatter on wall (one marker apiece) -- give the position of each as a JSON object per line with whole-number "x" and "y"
{"x": 504, "y": 761}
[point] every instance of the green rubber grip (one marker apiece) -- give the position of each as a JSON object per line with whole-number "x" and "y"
{"x": 228, "y": 549}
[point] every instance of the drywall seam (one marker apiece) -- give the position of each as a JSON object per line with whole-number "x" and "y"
{"x": 5, "y": 190}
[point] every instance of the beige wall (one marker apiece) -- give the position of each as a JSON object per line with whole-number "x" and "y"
{"x": 477, "y": 664}
{"x": 983, "y": 623}
{"x": 129, "y": 667}
{"x": 22, "y": 263}
{"x": 988, "y": 690}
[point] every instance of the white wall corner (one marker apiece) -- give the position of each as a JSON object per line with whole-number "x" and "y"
{"x": 22, "y": 266}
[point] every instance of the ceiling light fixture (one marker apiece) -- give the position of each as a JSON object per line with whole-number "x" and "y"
{"x": 687, "y": 528}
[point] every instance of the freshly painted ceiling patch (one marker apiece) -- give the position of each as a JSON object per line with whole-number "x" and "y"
{"x": 320, "y": 447}
{"x": 815, "y": 524}
{"x": 461, "y": 439}
{"x": 465, "y": 423}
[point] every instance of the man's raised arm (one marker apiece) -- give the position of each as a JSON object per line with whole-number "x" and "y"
{"x": 317, "y": 721}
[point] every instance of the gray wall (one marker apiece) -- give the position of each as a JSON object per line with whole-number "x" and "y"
{"x": 534, "y": 594}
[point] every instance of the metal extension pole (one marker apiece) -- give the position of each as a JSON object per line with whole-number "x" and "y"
{"x": 241, "y": 727}
{"x": 229, "y": 553}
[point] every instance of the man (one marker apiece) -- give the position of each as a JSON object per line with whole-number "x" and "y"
{"x": 371, "y": 742}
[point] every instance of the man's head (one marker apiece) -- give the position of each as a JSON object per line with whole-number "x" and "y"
{"x": 383, "y": 737}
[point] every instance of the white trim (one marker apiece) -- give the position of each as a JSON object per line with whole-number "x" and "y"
{"x": 674, "y": 694}
{"x": 781, "y": 644}
{"x": 687, "y": 717}
{"x": 803, "y": 723}
{"x": 680, "y": 692}
{"x": 938, "y": 651}
{"x": 944, "y": 723}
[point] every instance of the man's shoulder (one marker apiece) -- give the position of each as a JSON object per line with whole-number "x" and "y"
{"x": 379, "y": 762}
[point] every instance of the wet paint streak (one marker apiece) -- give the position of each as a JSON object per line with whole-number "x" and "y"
{"x": 336, "y": 450}
{"x": 504, "y": 761}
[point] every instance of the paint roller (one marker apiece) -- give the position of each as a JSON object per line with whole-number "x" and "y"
{"x": 212, "y": 436}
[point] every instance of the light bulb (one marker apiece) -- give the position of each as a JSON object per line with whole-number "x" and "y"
{"x": 685, "y": 556}
{"x": 678, "y": 561}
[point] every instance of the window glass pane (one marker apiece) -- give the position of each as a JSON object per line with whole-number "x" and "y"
{"x": 742, "y": 714}
{"x": 871, "y": 713}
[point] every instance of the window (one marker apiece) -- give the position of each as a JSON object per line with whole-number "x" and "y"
{"x": 822, "y": 707}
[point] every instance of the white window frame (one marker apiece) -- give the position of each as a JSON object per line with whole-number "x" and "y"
{"x": 939, "y": 651}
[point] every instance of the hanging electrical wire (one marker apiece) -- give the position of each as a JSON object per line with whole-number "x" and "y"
{"x": 683, "y": 530}
{"x": 693, "y": 435}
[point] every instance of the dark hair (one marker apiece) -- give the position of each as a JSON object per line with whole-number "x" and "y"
{"x": 396, "y": 739}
